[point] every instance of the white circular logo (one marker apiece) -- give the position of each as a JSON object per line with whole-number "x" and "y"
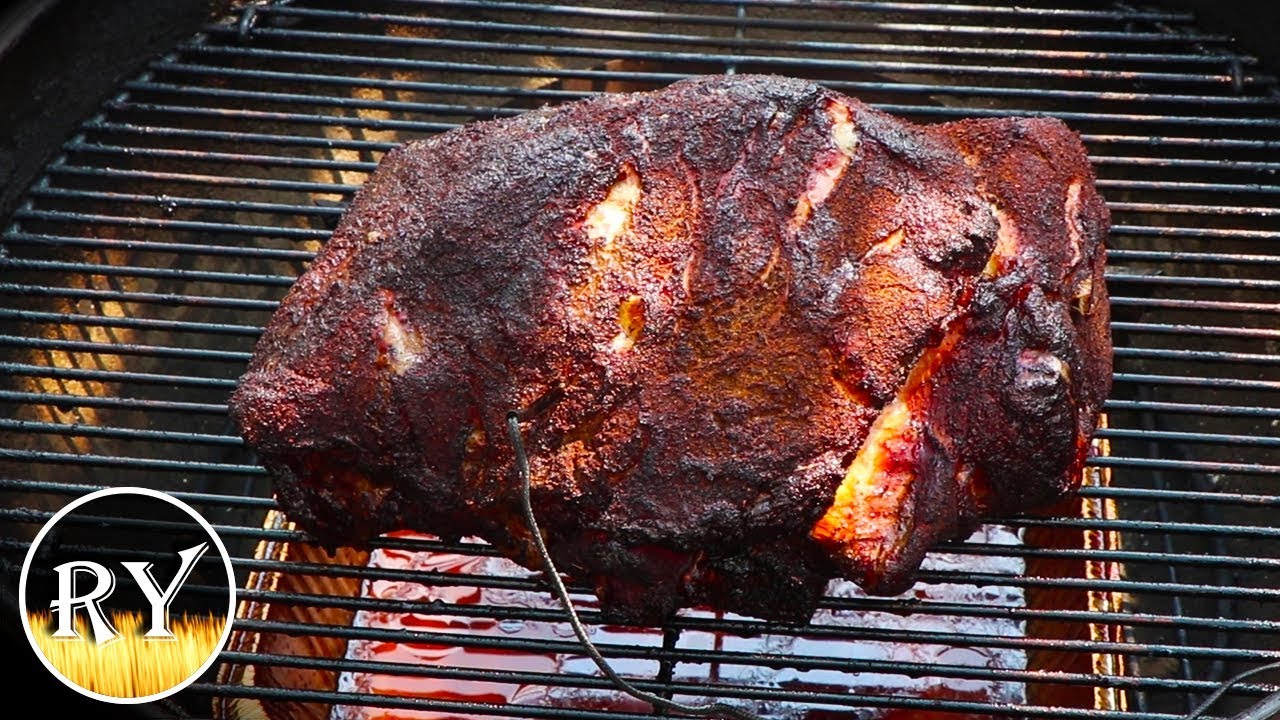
{"x": 136, "y": 615}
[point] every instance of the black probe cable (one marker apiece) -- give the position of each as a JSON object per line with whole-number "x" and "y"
{"x": 1266, "y": 709}
{"x": 713, "y": 710}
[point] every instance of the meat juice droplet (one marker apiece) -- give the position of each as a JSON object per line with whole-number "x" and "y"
{"x": 496, "y": 601}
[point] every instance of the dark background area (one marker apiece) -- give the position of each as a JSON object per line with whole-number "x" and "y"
{"x": 1255, "y": 24}
{"x": 59, "y": 59}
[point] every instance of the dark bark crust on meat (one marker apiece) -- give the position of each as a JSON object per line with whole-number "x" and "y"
{"x": 700, "y": 300}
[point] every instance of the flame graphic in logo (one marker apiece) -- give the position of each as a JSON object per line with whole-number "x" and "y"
{"x": 132, "y": 666}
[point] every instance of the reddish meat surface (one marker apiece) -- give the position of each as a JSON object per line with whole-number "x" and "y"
{"x": 759, "y": 335}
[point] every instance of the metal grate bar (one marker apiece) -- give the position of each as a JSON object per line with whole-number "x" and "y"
{"x": 206, "y": 156}
{"x": 1192, "y": 408}
{"x": 1187, "y": 437}
{"x": 196, "y": 498}
{"x": 175, "y": 248}
{"x": 1196, "y": 304}
{"x": 798, "y": 662}
{"x": 1197, "y": 355}
{"x": 1187, "y": 163}
{"x": 268, "y": 116}
{"x": 150, "y": 272}
{"x": 125, "y": 349}
{"x": 1186, "y": 187}
{"x": 1204, "y": 282}
{"x": 407, "y": 703}
{"x": 100, "y": 431}
{"x": 166, "y": 224}
{"x": 528, "y": 711}
{"x": 421, "y": 64}
{"x": 214, "y": 180}
{"x": 791, "y": 63}
{"x": 796, "y": 24}
{"x": 1196, "y": 496}
{"x": 1233, "y": 383}
{"x": 1211, "y": 330}
{"x": 171, "y": 203}
{"x": 1080, "y": 117}
{"x": 280, "y": 57}
{"x": 133, "y": 463}
{"x": 1184, "y": 142}
{"x": 60, "y": 373}
{"x": 815, "y": 630}
{"x": 160, "y": 131}
{"x": 560, "y": 30}
{"x": 1126, "y": 14}
{"x": 854, "y": 86}
{"x": 728, "y": 657}
{"x": 110, "y": 402}
{"x": 1138, "y": 525}
{"x": 1183, "y": 208}
{"x": 1192, "y": 257}
{"x": 130, "y": 322}
{"x": 504, "y": 676}
{"x": 129, "y": 296}
{"x": 1126, "y": 556}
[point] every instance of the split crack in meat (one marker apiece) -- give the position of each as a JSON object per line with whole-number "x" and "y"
{"x": 759, "y": 335}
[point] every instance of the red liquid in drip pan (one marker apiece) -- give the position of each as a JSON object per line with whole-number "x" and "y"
{"x": 561, "y": 664}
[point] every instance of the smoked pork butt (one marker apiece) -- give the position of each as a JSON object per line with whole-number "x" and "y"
{"x": 758, "y": 335}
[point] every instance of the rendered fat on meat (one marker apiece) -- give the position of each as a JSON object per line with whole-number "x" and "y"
{"x": 758, "y": 334}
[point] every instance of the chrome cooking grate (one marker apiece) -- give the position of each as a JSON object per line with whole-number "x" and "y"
{"x": 140, "y": 268}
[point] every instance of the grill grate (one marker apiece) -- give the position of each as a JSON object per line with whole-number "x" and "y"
{"x": 138, "y": 272}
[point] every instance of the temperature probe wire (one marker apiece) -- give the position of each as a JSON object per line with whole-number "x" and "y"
{"x": 714, "y": 710}
{"x": 1266, "y": 709}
